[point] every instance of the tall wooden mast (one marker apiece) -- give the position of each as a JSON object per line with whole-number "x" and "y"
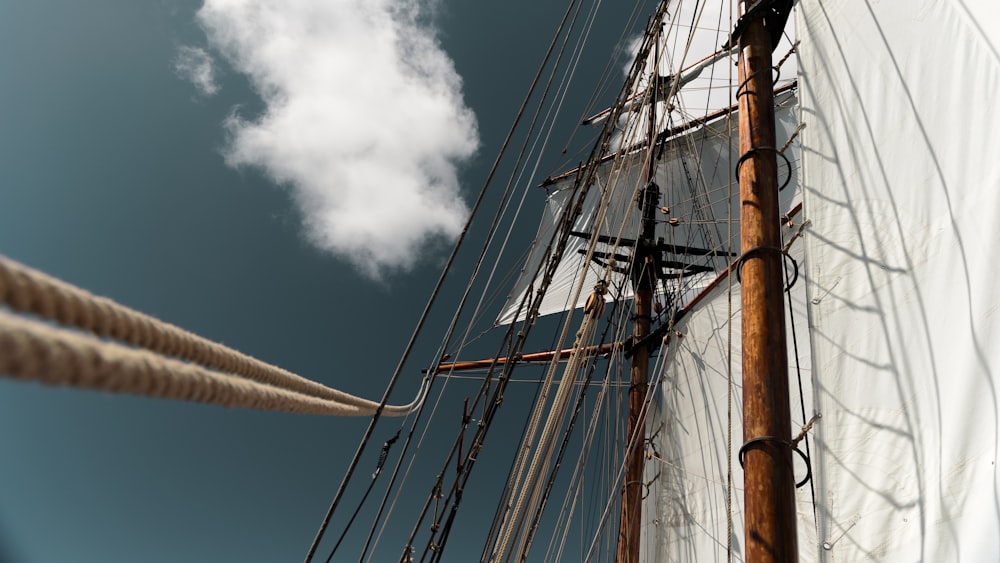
{"x": 645, "y": 269}
{"x": 769, "y": 498}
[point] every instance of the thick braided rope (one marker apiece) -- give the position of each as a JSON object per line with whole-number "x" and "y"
{"x": 27, "y": 290}
{"x": 38, "y": 351}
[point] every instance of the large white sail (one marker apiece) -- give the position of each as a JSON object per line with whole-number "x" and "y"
{"x": 902, "y": 185}
{"x": 696, "y": 178}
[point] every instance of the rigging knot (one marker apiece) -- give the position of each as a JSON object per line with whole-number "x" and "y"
{"x": 384, "y": 454}
{"x": 806, "y": 428}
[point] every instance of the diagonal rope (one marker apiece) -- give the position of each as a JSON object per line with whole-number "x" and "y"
{"x": 38, "y": 351}
{"x": 27, "y": 290}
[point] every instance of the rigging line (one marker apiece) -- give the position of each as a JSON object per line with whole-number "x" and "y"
{"x": 526, "y": 472}
{"x": 587, "y": 442}
{"x": 567, "y": 80}
{"x": 505, "y": 201}
{"x": 650, "y": 390}
{"x": 30, "y": 291}
{"x": 584, "y": 184}
{"x": 604, "y": 79}
{"x": 492, "y": 406}
{"x": 533, "y": 523}
{"x": 484, "y": 423}
{"x": 499, "y": 512}
{"x": 601, "y": 212}
{"x": 504, "y": 206}
{"x": 579, "y": 472}
{"x": 543, "y": 446}
{"x": 430, "y": 302}
{"x": 572, "y": 211}
{"x": 36, "y": 350}
{"x": 434, "y": 495}
{"x": 479, "y": 438}
{"x": 378, "y": 469}
{"x": 729, "y": 338}
{"x": 798, "y": 374}
{"x": 697, "y": 209}
{"x": 518, "y": 170}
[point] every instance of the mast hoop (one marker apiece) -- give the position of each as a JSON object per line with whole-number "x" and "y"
{"x": 753, "y": 150}
{"x": 777, "y": 78}
{"x": 738, "y": 265}
{"x": 759, "y": 439}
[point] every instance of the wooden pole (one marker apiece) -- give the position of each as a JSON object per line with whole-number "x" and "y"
{"x": 631, "y": 515}
{"x": 595, "y": 350}
{"x": 769, "y": 498}
{"x": 645, "y": 266}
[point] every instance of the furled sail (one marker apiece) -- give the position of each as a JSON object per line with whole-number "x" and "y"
{"x": 695, "y": 175}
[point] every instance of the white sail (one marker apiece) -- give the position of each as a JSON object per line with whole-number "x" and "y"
{"x": 685, "y": 511}
{"x": 902, "y": 185}
{"x": 695, "y": 176}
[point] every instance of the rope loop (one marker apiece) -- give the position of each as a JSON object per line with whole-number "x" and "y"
{"x": 760, "y": 439}
{"x": 795, "y": 265}
{"x": 754, "y": 150}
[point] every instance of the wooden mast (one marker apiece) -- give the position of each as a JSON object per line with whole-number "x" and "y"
{"x": 645, "y": 267}
{"x": 769, "y": 498}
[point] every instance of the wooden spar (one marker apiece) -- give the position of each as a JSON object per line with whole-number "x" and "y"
{"x": 665, "y": 135}
{"x": 769, "y": 484}
{"x": 597, "y": 350}
{"x": 631, "y": 514}
{"x": 645, "y": 266}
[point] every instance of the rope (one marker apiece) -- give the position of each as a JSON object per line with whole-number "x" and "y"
{"x": 27, "y": 290}
{"x": 527, "y": 499}
{"x": 34, "y": 350}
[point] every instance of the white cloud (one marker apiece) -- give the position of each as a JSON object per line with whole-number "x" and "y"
{"x": 363, "y": 118}
{"x": 195, "y": 65}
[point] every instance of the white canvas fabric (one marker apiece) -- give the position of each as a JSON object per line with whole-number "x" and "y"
{"x": 901, "y": 182}
{"x": 695, "y": 176}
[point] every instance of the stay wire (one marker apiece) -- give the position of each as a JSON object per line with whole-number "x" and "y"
{"x": 604, "y": 79}
{"x": 378, "y": 470}
{"x": 567, "y": 434}
{"x": 430, "y": 302}
{"x": 491, "y": 408}
{"x": 520, "y": 167}
{"x": 802, "y": 399}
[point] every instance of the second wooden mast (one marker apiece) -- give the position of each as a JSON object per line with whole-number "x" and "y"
{"x": 645, "y": 270}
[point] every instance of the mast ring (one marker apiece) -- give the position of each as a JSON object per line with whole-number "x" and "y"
{"x": 753, "y": 150}
{"x": 739, "y": 263}
{"x": 746, "y": 445}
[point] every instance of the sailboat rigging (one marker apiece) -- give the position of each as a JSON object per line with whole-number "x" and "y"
{"x": 755, "y": 317}
{"x": 844, "y": 258}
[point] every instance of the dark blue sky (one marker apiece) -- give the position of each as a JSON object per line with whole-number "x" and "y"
{"x": 112, "y": 177}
